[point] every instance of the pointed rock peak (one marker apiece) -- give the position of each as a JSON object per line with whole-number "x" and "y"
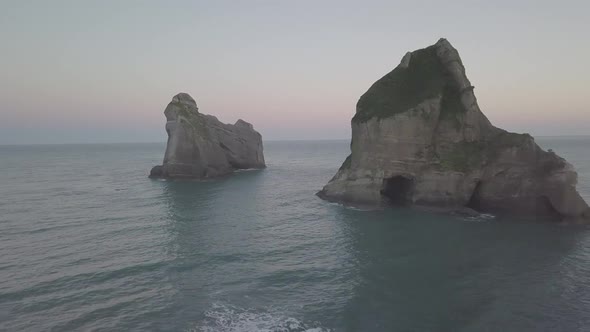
{"x": 446, "y": 52}
{"x": 442, "y": 41}
{"x": 184, "y": 99}
{"x": 181, "y": 105}
{"x": 434, "y": 72}
{"x": 242, "y": 123}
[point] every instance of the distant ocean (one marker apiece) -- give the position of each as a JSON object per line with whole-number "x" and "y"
{"x": 89, "y": 243}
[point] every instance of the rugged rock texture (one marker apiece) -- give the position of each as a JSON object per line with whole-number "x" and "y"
{"x": 419, "y": 138}
{"x": 200, "y": 146}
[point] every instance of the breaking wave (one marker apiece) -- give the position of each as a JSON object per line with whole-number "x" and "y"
{"x": 481, "y": 217}
{"x": 229, "y": 318}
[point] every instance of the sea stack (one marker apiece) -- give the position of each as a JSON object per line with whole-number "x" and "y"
{"x": 419, "y": 138}
{"x": 200, "y": 146}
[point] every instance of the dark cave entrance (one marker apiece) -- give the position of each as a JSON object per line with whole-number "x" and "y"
{"x": 398, "y": 190}
{"x": 540, "y": 206}
{"x": 544, "y": 208}
{"x": 475, "y": 199}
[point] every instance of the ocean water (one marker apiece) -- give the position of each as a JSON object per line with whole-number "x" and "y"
{"x": 89, "y": 243}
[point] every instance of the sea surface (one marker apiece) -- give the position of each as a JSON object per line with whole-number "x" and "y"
{"x": 89, "y": 243}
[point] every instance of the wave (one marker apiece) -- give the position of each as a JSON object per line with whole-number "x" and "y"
{"x": 481, "y": 217}
{"x": 356, "y": 207}
{"x": 246, "y": 170}
{"x": 228, "y": 318}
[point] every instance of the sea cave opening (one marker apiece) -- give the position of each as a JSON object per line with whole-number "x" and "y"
{"x": 398, "y": 190}
{"x": 475, "y": 199}
{"x": 545, "y": 208}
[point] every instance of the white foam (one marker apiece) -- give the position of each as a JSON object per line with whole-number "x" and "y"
{"x": 481, "y": 217}
{"x": 246, "y": 170}
{"x": 355, "y": 208}
{"x": 228, "y": 318}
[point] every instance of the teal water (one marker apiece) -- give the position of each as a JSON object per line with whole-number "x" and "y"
{"x": 89, "y": 243}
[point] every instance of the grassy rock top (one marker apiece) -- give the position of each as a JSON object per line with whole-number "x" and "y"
{"x": 423, "y": 77}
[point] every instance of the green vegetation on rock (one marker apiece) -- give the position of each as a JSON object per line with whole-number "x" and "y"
{"x": 451, "y": 106}
{"x": 405, "y": 87}
{"x": 184, "y": 111}
{"x": 191, "y": 117}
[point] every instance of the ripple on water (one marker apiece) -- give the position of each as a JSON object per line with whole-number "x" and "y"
{"x": 88, "y": 242}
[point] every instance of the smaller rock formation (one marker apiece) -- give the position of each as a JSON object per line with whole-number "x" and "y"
{"x": 419, "y": 138}
{"x": 200, "y": 146}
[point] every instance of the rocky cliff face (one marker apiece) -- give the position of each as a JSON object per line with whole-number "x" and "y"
{"x": 419, "y": 138}
{"x": 200, "y": 146}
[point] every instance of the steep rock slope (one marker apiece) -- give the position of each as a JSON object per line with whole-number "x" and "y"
{"x": 420, "y": 138}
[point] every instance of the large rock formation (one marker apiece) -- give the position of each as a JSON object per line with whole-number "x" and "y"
{"x": 200, "y": 146}
{"x": 419, "y": 138}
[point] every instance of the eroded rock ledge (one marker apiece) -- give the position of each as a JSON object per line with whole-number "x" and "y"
{"x": 419, "y": 138}
{"x": 200, "y": 146}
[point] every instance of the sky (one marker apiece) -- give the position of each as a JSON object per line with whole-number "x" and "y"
{"x": 103, "y": 71}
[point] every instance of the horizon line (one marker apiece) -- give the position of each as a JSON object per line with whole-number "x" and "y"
{"x": 270, "y": 140}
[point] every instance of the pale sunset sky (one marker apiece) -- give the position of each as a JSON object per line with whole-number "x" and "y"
{"x": 103, "y": 71}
